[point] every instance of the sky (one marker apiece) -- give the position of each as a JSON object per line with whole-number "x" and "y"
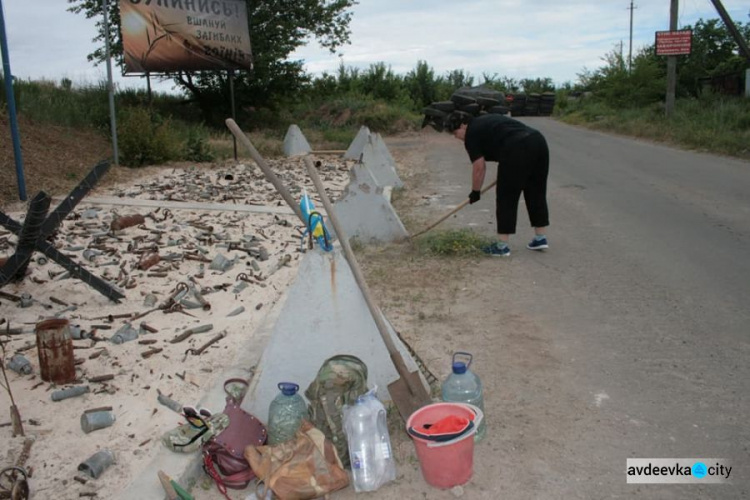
{"x": 500, "y": 38}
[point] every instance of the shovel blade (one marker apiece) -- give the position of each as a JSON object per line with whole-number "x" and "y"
{"x": 407, "y": 402}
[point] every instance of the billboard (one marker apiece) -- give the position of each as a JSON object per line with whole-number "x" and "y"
{"x": 674, "y": 43}
{"x": 184, "y": 35}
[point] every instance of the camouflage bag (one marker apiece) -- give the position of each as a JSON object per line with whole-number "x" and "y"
{"x": 339, "y": 382}
{"x": 188, "y": 438}
{"x": 302, "y": 468}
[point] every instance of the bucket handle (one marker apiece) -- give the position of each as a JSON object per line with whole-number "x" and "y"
{"x": 479, "y": 415}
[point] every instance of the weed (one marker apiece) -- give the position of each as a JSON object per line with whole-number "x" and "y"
{"x": 453, "y": 242}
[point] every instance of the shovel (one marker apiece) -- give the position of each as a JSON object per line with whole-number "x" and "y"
{"x": 462, "y": 205}
{"x": 407, "y": 392}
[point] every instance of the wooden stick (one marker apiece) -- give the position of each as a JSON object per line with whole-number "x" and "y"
{"x": 459, "y": 207}
{"x": 283, "y": 191}
{"x": 398, "y": 360}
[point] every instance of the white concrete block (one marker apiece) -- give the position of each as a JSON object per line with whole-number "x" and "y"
{"x": 365, "y": 212}
{"x": 295, "y": 143}
{"x": 324, "y": 314}
{"x": 379, "y": 161}
{"x": 355, "y": 148}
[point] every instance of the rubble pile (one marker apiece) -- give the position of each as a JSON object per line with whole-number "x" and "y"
{"x": 196, "y": 282}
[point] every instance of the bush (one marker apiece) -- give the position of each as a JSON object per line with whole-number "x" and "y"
{"x": 145, "y": 139}
{"x": 198, "y": 149}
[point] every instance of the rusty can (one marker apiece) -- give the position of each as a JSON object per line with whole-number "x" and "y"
{"x": 127, "y": 221}
{"x": 149, "y": 260}
{"x": 55, "y": 349}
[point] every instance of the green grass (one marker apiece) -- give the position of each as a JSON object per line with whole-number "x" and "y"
{"x": 452, "y": 242}
{"x": 712, "y": 124}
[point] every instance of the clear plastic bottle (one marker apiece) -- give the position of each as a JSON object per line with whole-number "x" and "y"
{"x": 465, "y": 386}
{"x": 285, "y": 413}
{"x": 366, "y": 428}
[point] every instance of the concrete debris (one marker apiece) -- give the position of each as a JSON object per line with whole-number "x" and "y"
{"x": 187, "y": 263}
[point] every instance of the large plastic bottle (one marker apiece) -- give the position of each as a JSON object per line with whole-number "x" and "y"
{"x": 366, "y": 428}
{"x": 464, "y": 386}
{"x": 285, "y": 413}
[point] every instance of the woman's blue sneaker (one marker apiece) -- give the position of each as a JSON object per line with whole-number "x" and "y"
{"x": 538, "y": 244}
{"x": 496, "y": 250}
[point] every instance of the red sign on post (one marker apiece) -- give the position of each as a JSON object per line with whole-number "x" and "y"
{"x": 674, "y": 43}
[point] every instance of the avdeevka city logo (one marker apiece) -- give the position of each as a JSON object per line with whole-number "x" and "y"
{"x": 678, "y": 470}
{"x": 699, "y": 470}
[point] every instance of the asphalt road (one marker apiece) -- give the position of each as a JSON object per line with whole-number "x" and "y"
{"x": 643, "y": 304}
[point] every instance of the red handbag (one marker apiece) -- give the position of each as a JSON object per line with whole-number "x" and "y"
{"x": 225, "y": 451}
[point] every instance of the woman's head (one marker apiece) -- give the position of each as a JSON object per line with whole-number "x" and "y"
{"x": 456, "y": 123}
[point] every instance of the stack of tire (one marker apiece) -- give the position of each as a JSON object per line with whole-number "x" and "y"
{"x": 475, "y": 101}
{"x": 518, "y": 105}
{"x": 532, "y": 104}
{"x": 546, "y": 103}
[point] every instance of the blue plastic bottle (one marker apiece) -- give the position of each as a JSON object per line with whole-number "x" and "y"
{"x": 285, "y": 413}
{"x": 465, "y": 386}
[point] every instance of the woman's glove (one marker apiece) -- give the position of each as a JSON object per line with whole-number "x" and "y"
{"x": 474, "y": 196}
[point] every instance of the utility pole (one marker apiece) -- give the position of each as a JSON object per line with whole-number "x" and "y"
{"x": 744, "y": 49}
{"x": 630, "y": 53}
{"x": 110, "y": 86}
{"x": 672, "y": 62}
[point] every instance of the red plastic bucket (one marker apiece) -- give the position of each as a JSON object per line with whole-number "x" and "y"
{"x": 450, "y": 463}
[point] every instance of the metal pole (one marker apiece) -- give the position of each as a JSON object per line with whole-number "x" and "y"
{"x": 671, "y": 62}
{"x": 12, "y": 108}
{"x": 110, "y": 86}
{"x": 148, "y": 87}
{"x": 234, "y": 116}
{"x": 630, "y": 52}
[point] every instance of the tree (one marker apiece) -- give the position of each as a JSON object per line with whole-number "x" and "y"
{"x": 277, "y": 28}
{"x": 422, "y": 84}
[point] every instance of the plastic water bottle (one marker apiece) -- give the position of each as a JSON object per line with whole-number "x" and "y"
{"x": 285, "y": 413}
{"x": 464, "y": 386}
{"x": 366, "y": 428}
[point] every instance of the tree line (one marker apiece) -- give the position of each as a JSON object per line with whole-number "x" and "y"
{"x": 278, "y": 27}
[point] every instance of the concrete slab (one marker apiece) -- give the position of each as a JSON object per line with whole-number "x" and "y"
{"x": 295, "y": 143}
{"x": 365, "y": 210}
{"x": 358, "y": 144}
{"x": 380, "y": 162}
{"x": 324, "y": 314}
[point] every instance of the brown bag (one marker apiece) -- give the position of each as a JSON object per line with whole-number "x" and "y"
{"x": 225, "y": 450}
{"x": 302, "y": 468}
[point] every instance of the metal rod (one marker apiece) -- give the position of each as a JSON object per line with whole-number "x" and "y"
{"x": 12, "y": 108}
{"x": 110, "y": 85}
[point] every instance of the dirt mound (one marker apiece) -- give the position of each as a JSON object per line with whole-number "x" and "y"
{"x": 55, "y": 158}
